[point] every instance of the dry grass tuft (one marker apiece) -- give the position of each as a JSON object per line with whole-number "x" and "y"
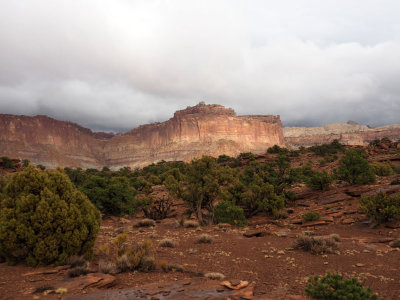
{"x": 214, "y": 276}
{"x": 164, "y": 265}
{"x": 167, "y": 243}
{"x": 76, "y": 261}
{"x": 176, "y": 267}
{"x": 204, "y": 239}
{"x": 147, "y": 264}
{"x": 335, "y": 237}
{"x": 316, "y": 244}
{"x": 190, "y": 224}
{"x": 78, "y": 271}
{"x": 123, "y": 263}
{"x": 146, "y": 223}
{"x": 107, "y": 267}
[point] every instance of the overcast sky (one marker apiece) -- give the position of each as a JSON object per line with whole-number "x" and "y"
{"x": 113, "y": 65}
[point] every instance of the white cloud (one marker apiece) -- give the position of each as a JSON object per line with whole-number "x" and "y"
{"x": 117, "y": 64}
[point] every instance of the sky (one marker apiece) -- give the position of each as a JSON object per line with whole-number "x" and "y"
{"x": 112, "y": 65}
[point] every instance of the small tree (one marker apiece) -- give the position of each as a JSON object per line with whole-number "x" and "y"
{"x": 113, "y": 196}
{"x": 320, "y": 181}
{"x": 44, "y": 219}
{"x": 354, "y": 168}
{"x": 200, "y": 188}
{"x": 227, "y": 212}
{"x": 7, "y": 163}
{"x": 380, "y": 207}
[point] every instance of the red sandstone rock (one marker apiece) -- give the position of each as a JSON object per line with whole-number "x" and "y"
{"x": 192, "y": 132}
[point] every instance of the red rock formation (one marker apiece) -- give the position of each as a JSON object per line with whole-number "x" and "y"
{"x": 192, "y": 132}
{"x": 348, "y": 134}
{"x": 195, "y": 131}
{"x": 50, "y": 142}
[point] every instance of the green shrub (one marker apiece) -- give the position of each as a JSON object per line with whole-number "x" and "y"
{"x": 224, "y": 158}
{"x": 227, "y": 212}
{"x": 310, "y": 216}
{"x": 7, "y": 163}
{"x": 327, "y": 149}
{"x": 200, "y": 188}
{"x": 333, "y": 286}
{"x": 113, "y": 196}
{"x": 320, "y": 181}
{"x": 354, "y": 168}
{"x": 278, "y": 150}
{"x": 290, "y": 196}
{"x": 25, "y": 162}
{"x": 385, "y": 169}
{"x": 44, "y": 219}
{"x": 248, "y": 155}
{"x": 380, "y": 207}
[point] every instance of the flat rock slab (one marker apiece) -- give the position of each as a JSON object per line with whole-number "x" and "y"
{"x": 315, "y": 223}
{"x": 48, "y": 271}
{"x": 98, "y": 280}
{"x": 334, "y": 198}
{"x": 255, "y": 233}
{"x": 393, "y": 224}
{"x": 198, "y": 289}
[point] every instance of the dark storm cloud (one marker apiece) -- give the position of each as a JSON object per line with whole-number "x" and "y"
{"x": 112, "y": 65}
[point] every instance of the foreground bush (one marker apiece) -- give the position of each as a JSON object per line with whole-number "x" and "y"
{"x": 227, "y": 212}
{"x": 44, "y": 219}
{"x": 380, "y": 207}
{"x": 333, "y": 286}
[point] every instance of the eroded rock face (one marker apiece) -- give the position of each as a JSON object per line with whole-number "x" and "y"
{"x": 192, "y": 132}
{"x": 349, "y": 133}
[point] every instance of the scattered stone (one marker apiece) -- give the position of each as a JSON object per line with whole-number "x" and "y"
{"x": 385, "y": 240}
{"x": 246, "y": 293}
{"x": 348, "y": 221}
{"x": 360, "y": 265}
{"x": 393, "y": 224}
{"x": 235, "y": 282}
{"x": 241, "y": 285}
{"x": 297, "y": 221}
{"x": 336, "y": 214}
{"x": 255, "y": 233}
{"x": 350, "y": 212}
{"x": 124, "y": 221}
{"x": 98, "y": 280}
{"x": 48, "y": 271}
{"x": 395, "y": 243}
{"x": 315, "y": 223}
{"x": 334, "y": 198}
{"x": 187, "y": 282}
{"x": 327, "y": 219}
{"x": 304, "y": 203}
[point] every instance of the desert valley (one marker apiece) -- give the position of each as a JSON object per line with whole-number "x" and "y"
{"x": 207, "y": 205}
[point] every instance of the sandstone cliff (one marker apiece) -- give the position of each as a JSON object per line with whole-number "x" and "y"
{"x": 349, "y": 133}
{"x": 192, "y": 132}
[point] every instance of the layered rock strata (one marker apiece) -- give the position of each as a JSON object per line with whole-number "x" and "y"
{"x": 192, "y": 132}
{"x": 349, "y": 133}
